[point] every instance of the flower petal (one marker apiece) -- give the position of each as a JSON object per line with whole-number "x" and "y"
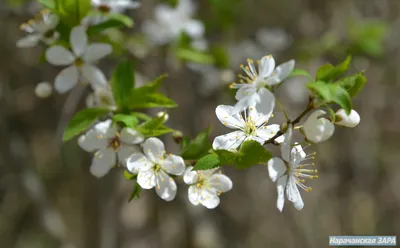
{"x": 131, "y": 136}
{"x": 267, "y": 66}
{"x": 154, "y": 149}
{"x": 103, "y": 161}
{"x": 146, "y": 179}
{"x": 350, "y": 120}
{"x": 173, "y": 165}
{"x": 166, "y": 187}
{"x": 125, "y": 151}
{"x": 220, "y": 183}
{"x": 66, "y": 79}
{"x": 58, "y": 55}
{"x": 103, "y": 126}
{"x": 194, "y": 28}
{"x": 138, "y": 162}
{"x": 79, "y": 40}
{"x": 225, "y": 116}
{"x": 92, "y": 141}
{"x": 190, "y": 177}
{"x": 287, "y": 143}
{"x": 284, "y": 70}
{"x": 280, "y": 186}
{"x": 30, "y": 40}
{"x": 293, "y": 193}
{"x": 276, "y": 168}
{"x": 209, "y": 199}
{"x": 246, "y": 103}
{"x": 318, "y": 129}
{"x": 96, "y": 51}
{"x": 245, "y": 90}
{"x": 266, "y": 102}
{"x": 93, "y": 75}
{"x": 194, "y": 195}
{"x": 258, "y": 118}
{"x": 229, "y": 141}
{"x": 267, "y": 132}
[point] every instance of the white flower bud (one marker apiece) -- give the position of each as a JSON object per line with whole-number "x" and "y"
{"x": 318, "y": 129}
{"x": 165, "y": 114}
{"x": 43, "y": 90}
{"x": 350, "y": 120}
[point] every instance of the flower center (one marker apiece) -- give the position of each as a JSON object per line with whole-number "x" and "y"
{"x": 115, "y": 143}
{"x": 49, "y": 34}
{"x": 78, "y": 62}
{"x": 250, "y": 126}
{"x": 104, "y": 8}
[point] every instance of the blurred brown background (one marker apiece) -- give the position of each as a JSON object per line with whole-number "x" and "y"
{"x": 49, "y": 199}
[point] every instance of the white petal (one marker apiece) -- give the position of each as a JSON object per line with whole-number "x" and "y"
{"x": 165, "y": 186}
{"x": 131, "y": 136}
{"x": 103, "y": 126}
{"x": 103, "y": 161}
{"x": 209, "y": 199}
{"x": 266, "y": 102}
{"x": 351, "y": 120}
{"x": 297, "y": 155}
{"x": 284, "y": 70}
{"x": 245, "y": 103}
{"x": 287, "y": 144}
{"x": 96, "y": 51}
{"x": 225, "y": 116}
{"x": 92, "y": 141}
{"x": 267, "y": 66}
{"x": 276, "y": 168}
{"x": 154, "y": 149}
{"x": 256, "y": 117}
{"x": 245, "y": 90}
{"x": 293, "y": 193}
{"x": 138, "y": 162}
{"x": 58, "y": 55}
{"x": 66, "y": 79}
{"x": 318, "y": 129}
{"x": 190, "y": 177}
{"x": 78, "y": 39}
{"x": 220, "y": 183}
{"x": 194, "y": 29}
{"x": 94, "y": 75}
{"x": 124, "y": 152}
{"x": 174, "y": 165}
{"x": 267, "y": 132}
{"x": 146, "y": 179}
{"x": 194, "y": 195}
{"x": 280, "y": 186}
{"x": 29, "y": 41}
{"x": 229, "y": 141}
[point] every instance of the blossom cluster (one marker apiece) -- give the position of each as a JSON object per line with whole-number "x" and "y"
{"x": 120, "y": 137}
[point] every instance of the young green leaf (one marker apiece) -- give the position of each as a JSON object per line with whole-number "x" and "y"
{"x": 153, "y": 127}
{"x": 82, "y": 121}
{"x": 207, "y": 162}
{"x": 142, "y": 116}
{"x": 252, "y": 153}
{"x": 329, "y": 72}
{"x": 73, "y": 11}
{"x": 353, "y": 84}
{"x": 128, "y": 120}
{"x": 227, "y": 157}
{"x": 98, "y": 28}
{"x": 301, "y": 72}
{"x": 48, "y": 4}
{"x": 135, "y": 193}
{"x": 122, "y": 83}
{"x": 128, "y": 175}
{"x": 141, "y": 100}
{"x": 197, "y": 147}
{"x": 125, "y": 20}
{"x": 191, "y": 55}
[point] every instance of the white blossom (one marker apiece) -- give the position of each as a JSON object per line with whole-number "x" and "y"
{"x": 163, "y": 114}
{"x": 350, "y": 120}
{"x": 317, "y": 128}
{"x": 41, "y": 28}
{"x": 251, "y": 126}
{"x": 109, "y": 145}
{"x": 80, "y": 61}
{"x": 154, "y": 167}
{"x": 252, "y": 91}
{"x": 206, "y": 187}
{"x": 43, "y": 90}
{"x": 170, "y": 22}
{"x": 117, "y": 6}
{"x": 291, "y": 172}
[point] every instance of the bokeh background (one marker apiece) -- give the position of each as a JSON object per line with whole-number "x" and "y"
{"x": 49, "y": 199}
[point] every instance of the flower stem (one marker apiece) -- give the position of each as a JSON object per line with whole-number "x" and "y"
{"x": 280, "y": 106}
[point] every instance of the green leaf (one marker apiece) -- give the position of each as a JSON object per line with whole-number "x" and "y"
{"x": 49, "y": 4}
{"x": 353, "y": 84}
{"x": 329, "y": 72}
{"x": 252, "y": 153}
{"x": 332, "y": 93}
{"x": 129, "y": 120}
{"x": 125, "y": 20}
{"x": 197, "y": 147}
{"x": 122, "y": 83}
{"x": 150, "y": 100}
{"x": 153, "y": 127}
{"x": 301, "y": 72}
{"x": 207, "y": 162}
{"x": 227, "y": 157}
{"x": 221, "y": 57}
{"x": 82, "y": 121}
{"x": 72, "y": 12}
{"x": 192, "y": 55}
{"x": 128, "y": 175}
{"x": 142, "y": 116}
{"x": 98, "y": 28}
{"x": 135, "y": 193}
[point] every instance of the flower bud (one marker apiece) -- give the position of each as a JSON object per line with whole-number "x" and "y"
{"x": 351, "y": 120}
{"x": 43, "y": 90}
{"x": 177, "y": 136}
{"x": 318, "y": 129}
{"x": 163, "y": 113}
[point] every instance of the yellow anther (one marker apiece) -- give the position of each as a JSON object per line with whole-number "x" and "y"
{"x": 250, "y": 61}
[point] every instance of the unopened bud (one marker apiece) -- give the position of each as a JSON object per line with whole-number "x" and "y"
{"x": 163, "y": 114}
{"x": 43, "y": 90}
{"x": 283, "y": 127}
{"x": 350, "y": 120}
{"x": 177, "y": 136}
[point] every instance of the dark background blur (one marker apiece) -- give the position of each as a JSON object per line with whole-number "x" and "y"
{"x": 49, "y": 199}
